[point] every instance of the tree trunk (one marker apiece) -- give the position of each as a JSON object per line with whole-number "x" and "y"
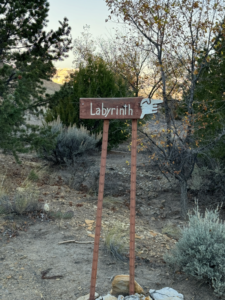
{"x": 183, "y": 200}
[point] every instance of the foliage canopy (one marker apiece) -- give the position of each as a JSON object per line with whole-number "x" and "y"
{"x": 27, "y": 53}
{"x": 95, "y": 80}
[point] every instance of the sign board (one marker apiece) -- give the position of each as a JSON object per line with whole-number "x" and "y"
{"x": 117, "y": 108}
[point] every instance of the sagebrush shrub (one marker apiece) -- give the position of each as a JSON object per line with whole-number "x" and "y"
{"x": 26, "y": 201}
{"x": 5, "y": 205}
{"x": 61, "y": 215}
{"x": 200, "y": 252}
{"x": 70, "y": 143}
{"x": 209, "y": 180}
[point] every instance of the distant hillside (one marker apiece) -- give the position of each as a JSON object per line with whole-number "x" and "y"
{"x": 62, "y": 76}
{"x": 51, "y": 87}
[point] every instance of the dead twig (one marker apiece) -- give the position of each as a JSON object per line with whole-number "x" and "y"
{"x": 43, "y": 273}
{"x": 73, "y": 241}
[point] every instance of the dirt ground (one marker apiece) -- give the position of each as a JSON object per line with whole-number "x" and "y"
{"x": 29, "y": 244}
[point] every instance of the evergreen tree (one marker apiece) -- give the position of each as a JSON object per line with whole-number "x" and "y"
{"x": 95, "y": 80}
{"x": 210, "y": 93}
{"x": 27, "y": 53}
{"x": 209, "y": 107}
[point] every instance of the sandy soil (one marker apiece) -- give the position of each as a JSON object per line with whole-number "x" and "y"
{"x": 29, "y": 244}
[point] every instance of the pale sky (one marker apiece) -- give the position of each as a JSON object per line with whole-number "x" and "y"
{"x": 80, "y": 13}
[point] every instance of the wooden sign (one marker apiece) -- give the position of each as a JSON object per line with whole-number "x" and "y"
{"x": 117, "y": 108}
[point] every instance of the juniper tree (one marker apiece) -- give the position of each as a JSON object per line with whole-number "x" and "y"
{"x": 210, "y": 96}
{"x": 95, "y": 80}
{"x": 209, "y": 105}
{"x": 27, "y": 53}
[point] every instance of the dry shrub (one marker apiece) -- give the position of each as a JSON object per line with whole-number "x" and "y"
{"x": 33, "y": 176}
{"x": 70, "y": 143}
{"x": 24, "y": 200}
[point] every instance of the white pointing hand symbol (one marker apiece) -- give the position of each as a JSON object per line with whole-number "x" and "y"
{"x": 149, "y": 106}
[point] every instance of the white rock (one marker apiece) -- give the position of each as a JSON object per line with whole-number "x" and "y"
{"x": 120, "y": 297}
{"x": 107, "y": 297}
{"x": 86, "y": 297}
{"x": 46, "y": 207}
{"x": 166, "y": 294}
{"x": 20, "y": 189}
{"x": 132, "y": 297}
{"x": 142, "y": 297}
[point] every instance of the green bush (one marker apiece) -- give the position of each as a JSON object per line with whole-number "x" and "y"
{"x": 70, "y": 143}
{"x": 200, "y": 252}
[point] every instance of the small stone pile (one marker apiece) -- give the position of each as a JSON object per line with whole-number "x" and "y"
{"x": 120, "y": 291}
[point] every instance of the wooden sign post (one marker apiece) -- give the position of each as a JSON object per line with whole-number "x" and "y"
{"x": 116, "y": 108}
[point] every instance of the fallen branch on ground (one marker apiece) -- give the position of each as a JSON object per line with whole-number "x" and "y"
{"x": 73, "y": 241}
{"x": 43, "y": 275}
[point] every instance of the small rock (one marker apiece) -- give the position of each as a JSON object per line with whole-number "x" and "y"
{"x": 137, "y": 297}
{"x": 120, "y": 286}
{"x": 20, "y": 189}
{"x": 46, "y": 207}
{"x": 120, "y": 297}
{"x": 86, "y": 297}
{"x": 166, "y": 294}
{"x": 132, "y": 297}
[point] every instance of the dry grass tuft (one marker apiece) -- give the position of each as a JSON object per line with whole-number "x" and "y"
{"x": 25, "y": 199}
{"x": 33, "y": 176}
{"x": 115, "y": 242}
